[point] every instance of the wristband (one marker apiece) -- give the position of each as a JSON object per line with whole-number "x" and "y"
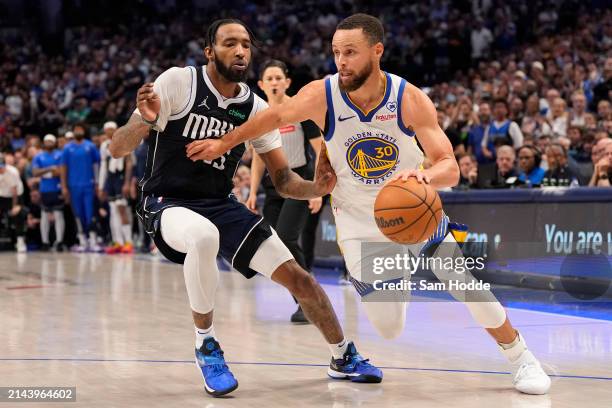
{"x": 150, "y": 122}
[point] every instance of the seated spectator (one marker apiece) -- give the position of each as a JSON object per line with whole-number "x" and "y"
{"x": 577, "y": 114}
{"x": 603, "y": 168}
{"x": 590, "y": 121}
{"x": 542, "y": 142}
{"x": 11, "y": 189}
{"x": 558, "y": 118}
{"x": 604, "y": 111}
{"x": 461, "y": 120}
{"x": 476, "y": 134}
{"x": 576, "y": 149}
{"x": 533, "y": 123}
{"x": 601, "y": 162}
{"x": 468, "y": 172}
{"x": 529, "y": 159}
{"x": 559, "y": 173}
{"x": 502, "y": 173}
{"x": 502, "y": 131}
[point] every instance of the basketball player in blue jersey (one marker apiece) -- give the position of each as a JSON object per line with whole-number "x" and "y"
{"x": 188, "y": 209}
{"x": 370, "y": 120}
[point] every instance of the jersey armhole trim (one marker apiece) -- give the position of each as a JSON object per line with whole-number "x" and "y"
{"x": 192, "y": 95}
{"x": 331, "y": 122}
{"x": 400, "y": 122}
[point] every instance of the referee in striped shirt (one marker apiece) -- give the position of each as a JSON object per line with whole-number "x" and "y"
{"x": 287, "y": 216}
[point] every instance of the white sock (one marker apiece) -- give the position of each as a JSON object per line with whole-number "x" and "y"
{"x": 126, "y": 230}
{"x": 93, "y": 239}
{"x": 202, "y": 334}
{"x": 338, "y": 349}
{"x": 60, "y": 225}
{"x": 82, "y": 240}
{"x": 115, "y": 224}
{"x": 44, "y": 227}
{"x": 512, "y": 351}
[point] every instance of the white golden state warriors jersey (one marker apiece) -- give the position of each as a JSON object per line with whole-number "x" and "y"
{"x": 365, "y": 150}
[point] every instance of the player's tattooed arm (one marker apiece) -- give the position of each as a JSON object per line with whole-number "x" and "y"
{"x": 290, "y": 185}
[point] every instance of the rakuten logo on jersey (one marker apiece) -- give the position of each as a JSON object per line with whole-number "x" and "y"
{"x": 383, "y": 118}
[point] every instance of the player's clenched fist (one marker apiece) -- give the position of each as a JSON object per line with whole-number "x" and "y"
{"x": 148, "y": 102}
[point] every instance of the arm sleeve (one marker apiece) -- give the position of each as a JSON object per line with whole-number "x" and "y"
{"x": 270, "y": 140}
{"x": 103, "y": 165}
{"x": 174, "y": 88}
{"x": 310, "y": 129}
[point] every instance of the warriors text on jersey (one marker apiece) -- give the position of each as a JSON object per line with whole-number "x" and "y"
{"x": 365, "y": 150}
{"x": 193, "y": 109}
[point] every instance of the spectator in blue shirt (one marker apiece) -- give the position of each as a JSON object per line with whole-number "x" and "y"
{"x": 80, "y": 160}
{"x": 529, "y": 160}
{"x": 46, "y": 165}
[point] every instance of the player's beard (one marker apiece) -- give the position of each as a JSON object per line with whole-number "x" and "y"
{"x": 357, "y": 80}
{"x": 229, "y": 74}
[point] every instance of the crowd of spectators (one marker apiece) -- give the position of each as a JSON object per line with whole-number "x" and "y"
{"x": 522, "y": 88}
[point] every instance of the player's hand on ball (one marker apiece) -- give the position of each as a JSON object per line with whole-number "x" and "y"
{"x": 207, "y": 149}
{"x": 404, "y": 175}
{"x": 148, "y": 102}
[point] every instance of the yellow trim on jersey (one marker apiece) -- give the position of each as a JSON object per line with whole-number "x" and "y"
{"x": 375, "y": 106}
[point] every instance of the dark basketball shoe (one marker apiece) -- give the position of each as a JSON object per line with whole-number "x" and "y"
{"x": 354, "y": 367}
{"x": 298, "y": 316}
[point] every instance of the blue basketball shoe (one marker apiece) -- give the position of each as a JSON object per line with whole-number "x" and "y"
{"x": 352, "y": 366}
{"x": 218, "y": 379}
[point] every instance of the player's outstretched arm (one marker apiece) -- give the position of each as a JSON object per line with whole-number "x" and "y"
{"x": 419, "y": 112}
{"x": 309, "y": 103}
{"x": 129, "y": 136}
{"x": 290, "y": 185}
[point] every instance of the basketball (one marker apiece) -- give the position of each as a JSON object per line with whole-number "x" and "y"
{"x": 407, "y": 212}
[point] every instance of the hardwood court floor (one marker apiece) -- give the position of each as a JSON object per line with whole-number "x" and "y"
{"x": 120, "y": 330}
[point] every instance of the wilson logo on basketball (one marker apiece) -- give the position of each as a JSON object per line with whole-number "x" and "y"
{"x": 394, "y": 222}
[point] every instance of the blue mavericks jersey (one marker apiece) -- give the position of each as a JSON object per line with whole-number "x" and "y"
{"x": 48, "y": 183}
{"x": 79, "y": 159}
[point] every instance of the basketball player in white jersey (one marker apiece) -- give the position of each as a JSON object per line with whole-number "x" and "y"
{"x": 364, "y": 110}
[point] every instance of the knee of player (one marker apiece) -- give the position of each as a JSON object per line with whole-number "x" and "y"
{"x": 203, "y": 237}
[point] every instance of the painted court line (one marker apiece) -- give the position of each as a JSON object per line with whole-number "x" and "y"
{"x": 444, "y": 370}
